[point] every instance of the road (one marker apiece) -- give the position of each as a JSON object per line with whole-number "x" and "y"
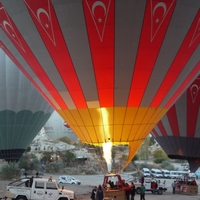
{"x": 92, "y": 180}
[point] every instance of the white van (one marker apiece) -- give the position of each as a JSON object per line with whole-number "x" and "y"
{"x": 177, "y": 174}
{"x": 146, "y": 172}
{"x": 156, "y": 173}
{"x": 165, "y": 173}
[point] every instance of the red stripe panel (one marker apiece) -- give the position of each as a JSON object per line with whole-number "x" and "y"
{"x": 44, "y": 17}
{"x": 156, "y": 20}
{"x": 10, "y": 55}
{"x": 184, "y": 85}
{"x": 162, "y": 128}
{"x": 99, "y": 16}
{"x": 172, "y": 118}
{"x": 14, "y": 35}
{"x": 193, "y": 102}
{"x": 155, "y": 133}
{"x": 186, "y": 50}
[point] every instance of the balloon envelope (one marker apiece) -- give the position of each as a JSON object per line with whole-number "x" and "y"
{"x": 23, "y": 110}
{"x": 56, "y": 128}
{"x": 111, "y": 69}
{"x": 178, "y": 132}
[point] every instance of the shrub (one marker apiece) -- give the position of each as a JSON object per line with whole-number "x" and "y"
{"x": 159, "y": 160}
{"x": 167, "y": 165}
{"x": 10, "y": 171}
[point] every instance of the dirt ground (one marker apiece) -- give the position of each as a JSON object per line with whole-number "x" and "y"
{"x": 81, "y": 192}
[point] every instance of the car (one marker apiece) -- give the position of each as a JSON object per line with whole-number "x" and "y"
{"x": 192, "y": 175}
{"x": 166, "y": 173}
{"x": 146, "y": 172}
{"x": 68, "y": 179}
{"x": 156, "y": 173}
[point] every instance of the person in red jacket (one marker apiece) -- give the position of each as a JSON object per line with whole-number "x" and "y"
{"x": 153, "y": 187}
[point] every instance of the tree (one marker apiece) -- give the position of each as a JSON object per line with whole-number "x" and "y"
{"x": 151, "y": 141}
{"x": 28, "y": 149}
{"x": 28, "y": 162}
{"x": 135, "y": 158}
{"x": 143, "y": 152}
{"x": 68, "y": 157}
{"x": 46, "y": 156}
{"x": 159, "y": 156}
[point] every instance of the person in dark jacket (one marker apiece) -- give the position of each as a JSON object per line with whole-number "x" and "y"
{"x": 99, "y": 193}
{"x": 93, "y": 194}
{"x": 132, "y": 191}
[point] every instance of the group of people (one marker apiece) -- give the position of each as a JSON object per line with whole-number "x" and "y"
{"x": 130, "y": 190}
{"x": 97, "y": 193}
{"x": 176, "y": 185}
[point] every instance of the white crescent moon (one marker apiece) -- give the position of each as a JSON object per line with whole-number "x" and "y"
{"x": 5, "y": 23}
{"x": 161, "y": 4}
{"x": 194, "y": 87}
{"x": 41, "y": 10}
{"x": 98, "y": 3}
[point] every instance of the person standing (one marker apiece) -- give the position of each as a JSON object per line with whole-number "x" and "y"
{"x": 99, "y": 193}
{"x": 94, "y": 190}
{"x": 127, "y": 190}
{"x": 132, "y": 191}
{"x": 153, "y": 187}
{"x": 142, "y": 192}
{"x": 173, "y": 187}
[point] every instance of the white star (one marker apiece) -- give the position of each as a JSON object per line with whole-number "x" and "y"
{"x": 100, "y": 20}
{"x": 157, "y": 20}
{"x": 47, "y": 26}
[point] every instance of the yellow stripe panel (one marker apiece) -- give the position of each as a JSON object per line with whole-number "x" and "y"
{"x": 85, "y": 116}
{"x": 130, "y": 115}
{"x": 119, "y": 125}
{"x": 96, "y": 116}
{"x": 141, "y": 112}
{"x": 93, "y": 137}
{"x": 100, "y": 133}
{"x": 119, "y": 113}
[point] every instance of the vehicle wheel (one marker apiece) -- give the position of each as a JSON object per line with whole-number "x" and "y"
{"x": 160, "y": 191}
{"x": 138, "y": 190}
{"x": 21, "y": 198}
{"x": 73, "y": 183}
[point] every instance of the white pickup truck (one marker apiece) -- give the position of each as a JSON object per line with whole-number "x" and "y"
{"x": 148, "y": 183}
{"x": 37, "y": 189}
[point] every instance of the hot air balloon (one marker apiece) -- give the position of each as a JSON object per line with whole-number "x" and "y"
{"x": 57, "y": 128}
{"x": 178, "y": 132}
{"x": 23, "y": 111}
{"x": 111, "y": 69}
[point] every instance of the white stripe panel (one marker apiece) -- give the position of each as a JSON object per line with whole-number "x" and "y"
{"x": 128, "y": 24}
{"x": 158, "y": 131}
{"x": 181, "y": 111}
{"x": 72, "y": 22}
{"x": 67, "y": 98}
{"x": 184, "y": 73}
{"x": 34, "y": 41}
{"x": 166, "y": 125}
{"x": 177, "y": 29}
